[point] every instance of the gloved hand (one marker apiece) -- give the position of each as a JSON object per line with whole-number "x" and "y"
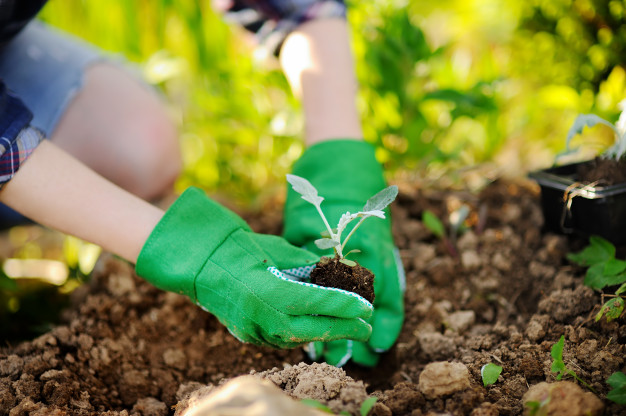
{"x": 203, "y": 250}
{"x": 346, "y": 174}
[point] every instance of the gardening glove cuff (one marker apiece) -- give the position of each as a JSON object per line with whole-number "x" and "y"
{"x": 191, "y": 229}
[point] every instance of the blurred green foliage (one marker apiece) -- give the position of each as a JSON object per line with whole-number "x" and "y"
{"x": 444, "y": 86}
{"x": 49, "y": 266}
{"x": 589, "y": 36}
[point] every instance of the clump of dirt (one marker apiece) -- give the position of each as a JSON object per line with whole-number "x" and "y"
{"x": 327, "y": 385}
{"x": 243, "y": 395}
{"x": 321, "y": 382}
{"x": 563, "y": 398}
{"x": 505, "y": 295}
{"x": 332, "y": 272}
{"x": 603, "y": 171}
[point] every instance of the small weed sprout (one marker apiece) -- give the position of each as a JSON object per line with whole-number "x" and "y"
{"x": 617, "y": 381}
{"x": 604, "y": 270}
{"x": 490, "y": 373}
{"x": 536, "y": 408}
{"x": 558, "y": 365}
{"x": 436, "y": 226}
{"x": 618, "y": 149}
{"x": 366, "y": 406}
{"x": 332, "y": 236}
{"x": 316, "y": 404}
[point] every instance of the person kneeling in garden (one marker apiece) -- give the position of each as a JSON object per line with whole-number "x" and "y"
{"x": 85, "y": 145}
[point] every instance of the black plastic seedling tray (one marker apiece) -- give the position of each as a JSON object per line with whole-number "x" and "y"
{"x": 573, "y": 208}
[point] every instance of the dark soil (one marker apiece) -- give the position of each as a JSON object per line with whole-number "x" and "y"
{"x": 125, "y": 347}
{"x": 604, "y": 172}
{"x": 333, "y": 273}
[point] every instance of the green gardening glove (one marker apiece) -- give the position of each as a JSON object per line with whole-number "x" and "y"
{"x": 202, "y": 250}
{"x": 346, "y": 174}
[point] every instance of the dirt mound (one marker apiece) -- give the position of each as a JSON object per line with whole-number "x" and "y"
{"x": 504, "y": 295}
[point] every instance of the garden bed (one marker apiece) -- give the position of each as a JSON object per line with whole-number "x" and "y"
{"x": 506, "y": 298}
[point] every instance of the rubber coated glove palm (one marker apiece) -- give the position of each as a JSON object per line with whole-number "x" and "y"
{"x": 202, "y": 250}
{"x": 346, "y": 174}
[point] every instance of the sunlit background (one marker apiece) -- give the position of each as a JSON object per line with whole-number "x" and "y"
{"x": 454, "y": 92}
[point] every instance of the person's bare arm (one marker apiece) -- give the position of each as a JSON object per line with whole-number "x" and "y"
{"x": 318, "y": 63}
{"x": 56, "y": 190}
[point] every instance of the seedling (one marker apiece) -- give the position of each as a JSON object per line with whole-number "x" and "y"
{"x": 604, "y": 270}
{"x": 558, "y": 365}
{"x": 435, "y": 225}
{"x": 315, "y": 404}
{"x": 333, "y": 236}
{"x": 618, "y": 149}
{"x": 490, "y": 373}
{"x": 366, "y": 406}
{"x": 536, "y": 408}
{"x": 618, "y": 392}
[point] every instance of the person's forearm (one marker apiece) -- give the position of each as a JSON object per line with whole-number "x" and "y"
{"x": 56, "y": 190}
{"x": 318, "y": 63}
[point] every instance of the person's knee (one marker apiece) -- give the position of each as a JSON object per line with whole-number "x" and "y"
{"x": 156, "y": 162}
{"x": 122, "y": 129}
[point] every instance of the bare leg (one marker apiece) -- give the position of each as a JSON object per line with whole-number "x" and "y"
{"x": 318, "y": 64}
{"x": 121, "y": 129}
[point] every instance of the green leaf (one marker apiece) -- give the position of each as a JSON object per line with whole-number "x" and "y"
{"x": 356, "y": 250}
{"x": 617, "y": 395}
{"x": 614, "y": 266}
{"x": 599, "y": 250}
{"x": 617, "y": 380}
{"x": 367, "y": 405}
{"x": 594, "y": 278}
{"x": 615, "y": 280}
{"x": 558, "y": 366}
{"x": 433, "y": 223}
{"x": 348, "y": 262}
{"x": 305, "y": 188}
{"x": 490, "y": 373}
{"x": 557, "y": 349}
{"x": 613, "y": 308}
{"x": 326, "y": 243}
{"x": 383, "y": 198}
{"x": 374, "y": 213}
{"x": 533, "y": 407}
{"x": 620, "y": 290}
{"x": 316, "y": 405}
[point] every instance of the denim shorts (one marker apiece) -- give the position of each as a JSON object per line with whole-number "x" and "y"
{"x": 45, "y": 68}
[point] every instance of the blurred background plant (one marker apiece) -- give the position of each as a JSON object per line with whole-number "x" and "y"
{"x": 451, "y": 92}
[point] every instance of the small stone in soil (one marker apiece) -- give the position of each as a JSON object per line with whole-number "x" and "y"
{"x": 333, "y": 273}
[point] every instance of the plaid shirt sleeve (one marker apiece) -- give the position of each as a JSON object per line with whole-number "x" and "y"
{"x": 17, "y": 138}
{"x": 272, "y": 20}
